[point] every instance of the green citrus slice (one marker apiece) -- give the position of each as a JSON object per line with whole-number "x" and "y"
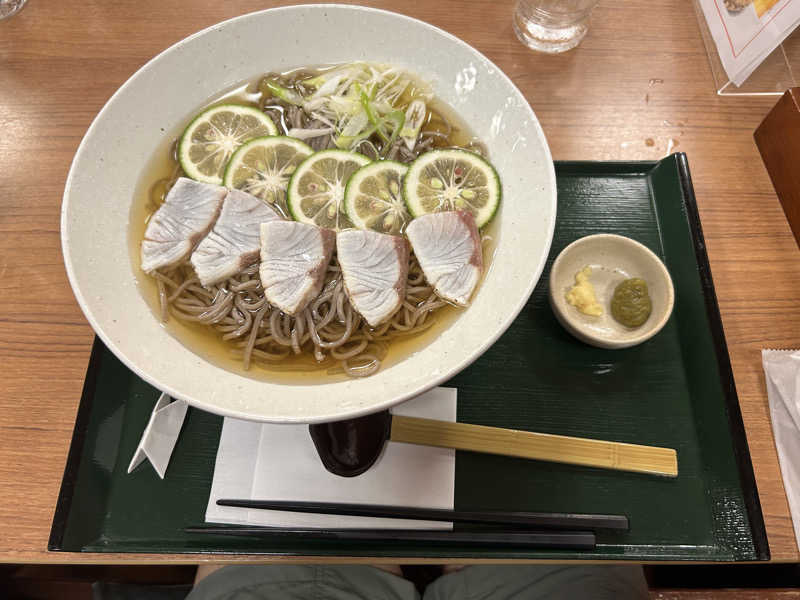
{"x": 316, "y": 190}
{"x": 215, "y": 134}
{"x": 373, "y": 198}
{"x": 263, "y": 167}
{"x": 452, "y": 179}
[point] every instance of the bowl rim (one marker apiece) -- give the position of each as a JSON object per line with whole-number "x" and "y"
{"x": 327, "y": 416}
{"x": 569, "y": 322}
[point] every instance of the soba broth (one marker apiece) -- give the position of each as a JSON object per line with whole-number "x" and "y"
{"x": 206, "y": 342}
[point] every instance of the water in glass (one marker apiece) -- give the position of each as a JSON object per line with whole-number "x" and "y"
{"x": 552, "y": 25}
{"x": 9, "y": 8}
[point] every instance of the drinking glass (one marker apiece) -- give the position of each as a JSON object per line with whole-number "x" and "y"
{"x": 8, "y": 8}
{"x": 552, "y": 25}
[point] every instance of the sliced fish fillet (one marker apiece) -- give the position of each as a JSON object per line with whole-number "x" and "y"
{"x": 375, "y": 270}
{"x": 448, "y": 247}
{"x": 294, "y": 260}
{"x": 189, "y": 212}
{"x": 235, "y": 240}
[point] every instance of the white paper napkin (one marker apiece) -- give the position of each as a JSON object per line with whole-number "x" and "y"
{"x": 782, "y": 370}
{"x": 160, "y": 435}
{"x": 279, "y": 462}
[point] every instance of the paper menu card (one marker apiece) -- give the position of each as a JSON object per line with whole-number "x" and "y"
{"x": 745, "y": 32}
{"x": 279, "y": 462}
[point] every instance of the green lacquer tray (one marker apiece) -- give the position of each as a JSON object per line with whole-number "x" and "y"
{"x": 675, "y": 390}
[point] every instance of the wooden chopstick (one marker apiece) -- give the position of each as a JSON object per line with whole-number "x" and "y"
{"x": 525, "y": 519}
{"x": 587, "y": 452}
{"x": 555, "y": 539}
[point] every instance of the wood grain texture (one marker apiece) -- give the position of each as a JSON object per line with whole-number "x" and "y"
{"x": 628, "y": 92}
{"x": 539, "y": 446}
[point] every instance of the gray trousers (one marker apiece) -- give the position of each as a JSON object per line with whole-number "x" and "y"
{"x": 481, "y": 582}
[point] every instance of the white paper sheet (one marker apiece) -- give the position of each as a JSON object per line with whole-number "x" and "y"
{"x": 279, "y": 462}
{"x": 160, "y": 435}
{"x": 782, "y": 370}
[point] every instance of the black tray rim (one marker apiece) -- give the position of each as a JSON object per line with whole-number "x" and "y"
{"x": 741, "y": 447}
{"x": 733, "y": 409}
{"x": 72, "y": 466}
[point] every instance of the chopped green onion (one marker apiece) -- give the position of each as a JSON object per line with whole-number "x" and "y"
{"x": 356, "y": 124}
{"x": 340, "y": 73}
{"x": 347, "y": 142}
{"x": 396, "y": 119}
{"x": 376, "y": 121}
{"x": 284, "y": 94}
{"x": 415, "y": 116}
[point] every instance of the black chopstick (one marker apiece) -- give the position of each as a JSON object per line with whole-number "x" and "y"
{"x": 555, "y": 539}
{"x": 527, "y": 519}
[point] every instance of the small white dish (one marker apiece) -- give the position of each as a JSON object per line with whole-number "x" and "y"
{"x": 612, "y": 259}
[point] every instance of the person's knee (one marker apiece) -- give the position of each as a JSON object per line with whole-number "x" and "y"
{"x": 531, "y": 582}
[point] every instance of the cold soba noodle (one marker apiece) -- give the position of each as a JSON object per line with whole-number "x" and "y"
{"x": 328, "y": 334}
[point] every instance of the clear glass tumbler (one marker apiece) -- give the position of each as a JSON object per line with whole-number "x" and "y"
{"x": 9, "y": 8}
{"x": 552, "y": 25}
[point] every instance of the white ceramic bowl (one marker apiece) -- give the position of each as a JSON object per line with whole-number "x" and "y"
{"x": 156, "y": 101}
{"x": 612, "y": 259}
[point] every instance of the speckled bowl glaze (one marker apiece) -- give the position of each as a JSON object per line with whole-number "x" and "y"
{"x": 612, "y": 258}
{"x": 161, "y": 97}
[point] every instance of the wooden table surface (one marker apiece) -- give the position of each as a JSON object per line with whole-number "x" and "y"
{"x": 638, "y": 87}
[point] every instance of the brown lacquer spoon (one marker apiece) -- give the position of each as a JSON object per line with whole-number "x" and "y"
{"x": 350, "y": 447}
